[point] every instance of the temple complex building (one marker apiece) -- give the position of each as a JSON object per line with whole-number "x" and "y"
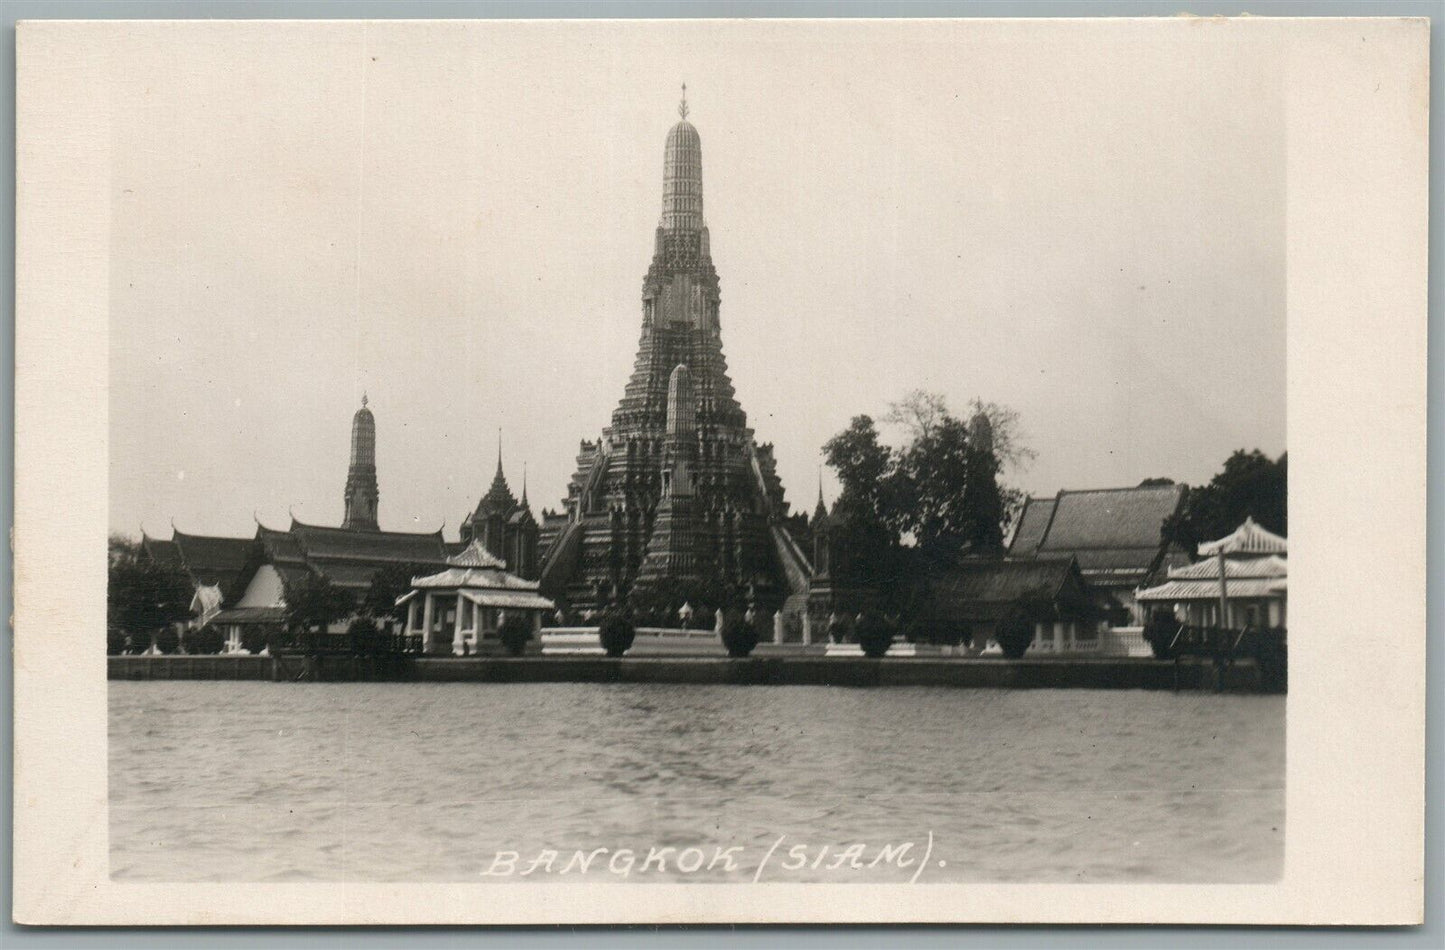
{"x": 1114, "y": 533}
{"x": 241, "y": 582}
{"x": 505, "y": 526}
{"x": 676, "y": 490}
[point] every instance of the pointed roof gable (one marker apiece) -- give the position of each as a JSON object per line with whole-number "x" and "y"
{"x": 212, "y": 560}
{"x": 475, "y": 555}
{"x": 1248, "y": 539}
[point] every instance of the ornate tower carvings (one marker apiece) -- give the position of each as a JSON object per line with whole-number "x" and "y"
{"x": 676, "y": 488}
{"x": 362, "y": 495}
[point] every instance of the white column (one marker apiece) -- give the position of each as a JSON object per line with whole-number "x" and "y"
{"x": 458, "y": 646}
{"x": 778, "y": 627}
{"x": 426, "y": 615}
{"x": 807, "y": 627}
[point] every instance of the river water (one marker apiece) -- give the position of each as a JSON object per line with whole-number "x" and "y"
{"x": 250, "y": 781}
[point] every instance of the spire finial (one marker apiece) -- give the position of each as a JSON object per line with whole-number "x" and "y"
{"x": 682, "y": 106}
{"x": 363, "y": 399}
{"x": 499, "y": 450}
{"x": 524, "y": 484}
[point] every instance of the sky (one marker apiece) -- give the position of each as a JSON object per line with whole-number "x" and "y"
{"x": 455, "y": 219}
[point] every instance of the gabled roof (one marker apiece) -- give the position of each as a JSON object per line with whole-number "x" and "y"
{"x": 475, "y": 555}
{"x": 385, "y": 546}
{"x": 207, "y": 559}
{"x": 1114, "y": 532}
{"x": 1248, "y": 538}
{"x": 1117, "y": 518}
{"x": 1004, "y": 580}
{"x": 1033, "y": 522}
{"x": 162, "y": 552}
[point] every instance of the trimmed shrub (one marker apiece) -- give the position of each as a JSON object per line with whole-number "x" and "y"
{"x": 117, "y": 641}
{"x": 1159, "y": 633}
{"x": 616, "y": 633}
{"x": 206, "y": 640}
{"x": 365, "y": 636}
{"x": 738, "y": 636}
{"x": 1014, "y": 636}
{"x": 254, "y": 639}
{"x": 838, "y": 629}
{"x": 875, "y": 635}
{"x": 516, "y": 632}
{"x": 167, "y": 640}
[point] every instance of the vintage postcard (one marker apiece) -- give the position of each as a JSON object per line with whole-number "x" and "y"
{"x": 720, "y": 471}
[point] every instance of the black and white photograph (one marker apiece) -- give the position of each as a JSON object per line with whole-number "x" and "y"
{"x": 710, "y": 452}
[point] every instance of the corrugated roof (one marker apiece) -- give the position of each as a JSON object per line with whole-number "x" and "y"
{"x": 1033, "y": 522}
{"x": 474, "y": 577}
{"x": 475, "y": 555}
{"x": 1248, "y": 538}
{"x": 507, "y": 599}
{"x": 1209, "y": 590}
{"x": 1268, "y": 566}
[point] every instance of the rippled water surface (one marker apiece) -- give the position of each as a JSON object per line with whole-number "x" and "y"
{"x": 428, "y": 782}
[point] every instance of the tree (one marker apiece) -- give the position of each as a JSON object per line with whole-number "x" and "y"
{"x": 313, "y": 603}
{"x": 144, "y": 598}
{"x": 515, "y": 633}
{"x": 1250, "y": 485}
{"x": 387, "y": 585}
{"x": 863, "y": 465}
{"x": 739, "y": 637}
{"x": 940, "y": 489}
{"x": 616, "y": 633}
{"x": 875, "y": 635}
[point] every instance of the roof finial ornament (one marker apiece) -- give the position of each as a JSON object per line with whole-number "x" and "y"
{"x": 682, "y": 106}
{"x": 363, "y": 399}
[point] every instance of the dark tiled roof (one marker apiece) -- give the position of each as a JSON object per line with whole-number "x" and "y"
{"x": 212, "y": 560}
{"x": 987, "y": 589}
{"x": 281, "y": 546}
{"x": 1110, "y": 518}
{"x": 243, "y": 615}
{"x": 1004, "y": 580}
{"x": 1033, "y": 522}
{"x": 164, "y": 553}
{"x": 320, "y": 543}
{"x": 354, "y": 575}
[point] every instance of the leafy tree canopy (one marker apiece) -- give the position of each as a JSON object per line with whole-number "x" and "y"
{"x": 142, "y": 596}
{"x": 314, "y": 603}
{"x": 1251, "y": 484}
{"x": 388, "y": 584}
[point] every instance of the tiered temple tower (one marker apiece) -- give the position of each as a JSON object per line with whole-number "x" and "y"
{"x": 504, "y": 525}
{"x": 676, "y": 488}
{"x": 362, "y": 495}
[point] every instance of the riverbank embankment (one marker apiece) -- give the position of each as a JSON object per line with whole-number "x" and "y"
{"x": 960, "y": 672}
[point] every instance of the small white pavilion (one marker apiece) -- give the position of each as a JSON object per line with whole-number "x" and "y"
{"x": 1252, "y": 563}
{"x": 460, "y": 609}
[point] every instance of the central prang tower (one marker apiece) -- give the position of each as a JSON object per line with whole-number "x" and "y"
{"x": 676, "y": 489}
